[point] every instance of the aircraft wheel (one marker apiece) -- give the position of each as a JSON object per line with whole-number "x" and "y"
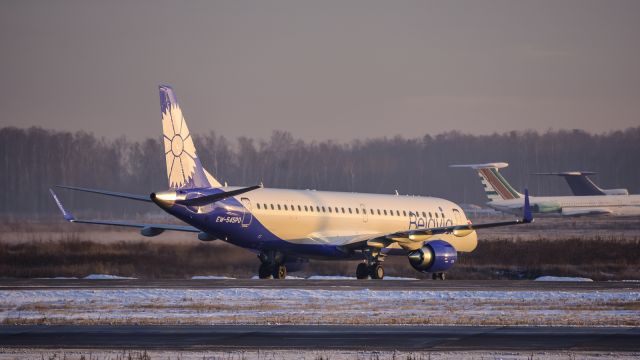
{"x": 438, "y": 276}
{"x": 265, "y": 271}
{"x": 376, "y": 271}
{"x": 280, "y": 272}
{"x": 362, "y": 272}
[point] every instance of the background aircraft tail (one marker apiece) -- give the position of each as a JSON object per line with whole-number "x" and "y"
{"x": 582, "y": 185}
{"x": 496, "y": 187}
{"x": 184, "y": 169}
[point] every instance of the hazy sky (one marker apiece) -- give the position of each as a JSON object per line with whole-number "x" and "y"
{"x": 321, "y": 69}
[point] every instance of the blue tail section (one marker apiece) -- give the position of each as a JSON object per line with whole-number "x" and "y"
{"x": 184, "y": 169}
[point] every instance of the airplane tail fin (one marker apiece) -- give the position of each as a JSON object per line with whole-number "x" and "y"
{"x": 496, "y": 186}
{"x": 582, "y": 185}
{"x": 184, "y": 169}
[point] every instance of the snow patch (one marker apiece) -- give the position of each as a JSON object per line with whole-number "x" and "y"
{"x": 105, "y": 277}
{"x": 561, "y": 278}
{"x": 319, "y": 277}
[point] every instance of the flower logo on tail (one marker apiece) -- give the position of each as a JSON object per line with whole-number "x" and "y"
{"x": 179, "y": 150}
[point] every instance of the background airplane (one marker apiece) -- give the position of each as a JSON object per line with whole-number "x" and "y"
{"x": 285, "y": 227}
{"x": 503, "y": 197}
{"x": 582, "y": 185}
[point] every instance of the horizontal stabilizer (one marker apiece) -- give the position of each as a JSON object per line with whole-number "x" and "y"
{"x": 208, "y": 199}
{"x": 108, "y": 193}
{"x": 150, "y": 227}
{"x": 495, "y": 165}
{"x": 567, "y": 173}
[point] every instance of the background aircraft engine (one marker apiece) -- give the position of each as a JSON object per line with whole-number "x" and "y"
{"x": 546, "y": 208}
{"x": 435, "y": 256}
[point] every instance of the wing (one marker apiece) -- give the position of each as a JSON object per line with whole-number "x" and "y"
{"x": 147, "y": 229}
{"x": 586, "y": 211}
{"x": 109, "y": 193}
{"x": 418, "y": 235}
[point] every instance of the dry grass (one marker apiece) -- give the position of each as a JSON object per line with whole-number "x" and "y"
{"x": 549, "y": 247}
{"x": 304, "y": 354}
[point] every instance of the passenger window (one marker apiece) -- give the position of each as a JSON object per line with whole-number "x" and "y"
{"x": 385, "y": 212}
{"x": 299, "y": 208}
{"x": 323, "y": 209}
{"x": 430, "y": 214}
{"x": 357, "y": 211}
{"x": 404, "y": 212}
{"x": 329, "y": 207}
{"x": 343, "y": 210}
{"x": 285, "y": 207}
{"x": 311, "y": 208}
{"x": 436, "y": 215}
{"x": 306, "y": 208}
{"x": 371, "y": 211}
{"x": 398, "y": 212}
{"x": 258, "y": 206}
{"x": 272, "y": 208}
{"x": 379, "y": 212}
{"x": 424, "y": 214}
{"x": 350, "y": 212}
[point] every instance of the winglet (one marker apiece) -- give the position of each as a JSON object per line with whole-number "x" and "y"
{"x": 67, "y": 215}
{"x": 527, "y": 216}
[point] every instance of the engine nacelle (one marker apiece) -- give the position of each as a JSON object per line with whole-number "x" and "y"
{"x": 150, "y": 231}
{"x": 434, "y": 256}
{"x": 550, "y": 207}
{"x": 615, "y": 191}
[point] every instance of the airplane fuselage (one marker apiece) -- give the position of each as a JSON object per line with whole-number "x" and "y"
{"x": 614, "y": 205}
{"x": 318, "y": 224}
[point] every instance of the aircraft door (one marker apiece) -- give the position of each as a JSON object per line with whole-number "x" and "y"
{"x": 365, "y": 218}
{"x": 457, "y": 217}
{"x": 247, "y": 217}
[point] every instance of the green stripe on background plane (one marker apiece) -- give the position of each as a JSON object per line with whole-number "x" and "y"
{"x": 504, "y": 182}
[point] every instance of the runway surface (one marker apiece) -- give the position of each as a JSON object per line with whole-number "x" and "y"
{"x": 444, "y": 338}
{"x": 467, "y": 285}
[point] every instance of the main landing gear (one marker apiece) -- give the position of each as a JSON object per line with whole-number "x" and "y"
{"x": 438, "y": 276}
{"x": 372, "y": 267}
{"x": 272, "y": 265}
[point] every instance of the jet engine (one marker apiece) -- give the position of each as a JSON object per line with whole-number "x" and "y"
{"x": 550, "y": 207}
{"x": 434, "y": 256}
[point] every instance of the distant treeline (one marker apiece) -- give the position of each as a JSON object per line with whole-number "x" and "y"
{"x": 34, "y": 159}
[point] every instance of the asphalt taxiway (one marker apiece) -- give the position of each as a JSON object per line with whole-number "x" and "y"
{"x": 450, "y": 285}
{"x": 410, "y": 338}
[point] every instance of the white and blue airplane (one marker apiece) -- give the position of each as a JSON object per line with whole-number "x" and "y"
{"x": 287, "y": 227}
